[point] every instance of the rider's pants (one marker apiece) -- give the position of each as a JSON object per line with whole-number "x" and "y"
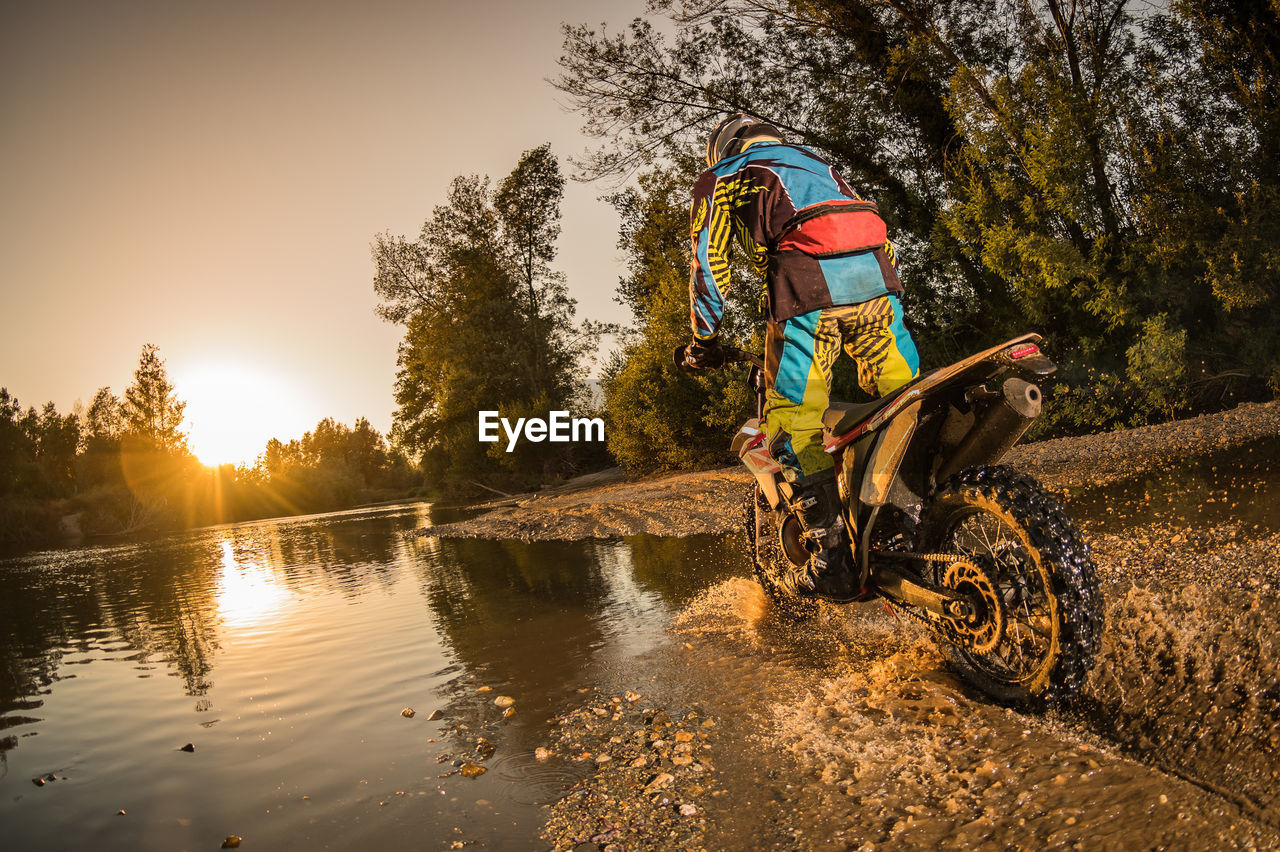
{"x": 799, "y": 356}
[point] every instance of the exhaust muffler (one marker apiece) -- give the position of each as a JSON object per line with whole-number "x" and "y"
{"x": 998, "y": 429}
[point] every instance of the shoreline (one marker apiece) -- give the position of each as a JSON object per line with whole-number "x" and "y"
{"x": 609, "y": 505}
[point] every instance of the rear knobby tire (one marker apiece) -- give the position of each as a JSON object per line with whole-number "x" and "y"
{"x": 769, "y": 564}
{"x": 1019, "y": 534}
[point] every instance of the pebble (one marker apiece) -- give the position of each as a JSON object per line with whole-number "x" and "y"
{"x": 504, "y": 701}
{"x": 190, "y": 747}
{"x": 232, "y": 841}
{"x": 662, "y": 779}
{"x": 407, "y": 712}
{"x": 435, "y": 714}
{"x": 607, "y": 809}
{"x": 508, "y": 713}
{"x": 542, "y": 754}
{"x": 472, "y": 770}
{"x": 485, "y": 689}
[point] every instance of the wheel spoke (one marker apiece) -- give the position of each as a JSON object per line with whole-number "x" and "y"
{"x": 1042, "y": 626}
{"x": 995, "y": 547}
{"x": 1007, "y": 545}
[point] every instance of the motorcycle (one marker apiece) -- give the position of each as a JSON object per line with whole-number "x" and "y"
{"x": 979, "y": 553}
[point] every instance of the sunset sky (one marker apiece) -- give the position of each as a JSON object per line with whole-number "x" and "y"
{"x": 208, "y": 177}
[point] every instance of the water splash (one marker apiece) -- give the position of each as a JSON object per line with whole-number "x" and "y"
{"x": 1174, "y": 742}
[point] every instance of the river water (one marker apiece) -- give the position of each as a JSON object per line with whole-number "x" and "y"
{"x": 285, "y": 651}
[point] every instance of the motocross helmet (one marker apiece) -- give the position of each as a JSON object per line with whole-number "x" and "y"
{"x": 731, "y": 135}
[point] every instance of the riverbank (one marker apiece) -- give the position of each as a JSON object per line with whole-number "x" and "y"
{"x": 711, "y": 501}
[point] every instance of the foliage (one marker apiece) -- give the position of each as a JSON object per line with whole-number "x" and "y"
{"x": 657, "y": 418}
{"x": 99, "y": 460}
{"x": 329, "y": 467}
{"x": 151, "y": 411}
{"x": 37, "y": 449}
{"x": 1077, "y": 167}
{"x": 488, "y": 325}
{"x": 119, "y": 468}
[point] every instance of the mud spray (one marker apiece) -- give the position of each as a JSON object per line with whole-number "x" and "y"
{"x": 848, "y": 732}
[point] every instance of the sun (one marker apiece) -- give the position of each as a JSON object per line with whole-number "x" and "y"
{"x": 233, "y": 410}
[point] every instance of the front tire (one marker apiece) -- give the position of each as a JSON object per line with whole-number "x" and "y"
{"x": 1018, "y": 539}
{"x": 773, "y": 571}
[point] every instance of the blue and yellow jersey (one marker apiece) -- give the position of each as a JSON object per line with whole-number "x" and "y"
{"x": 801, "y": 225}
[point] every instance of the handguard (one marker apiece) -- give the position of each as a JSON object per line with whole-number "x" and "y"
{"x": 695, "y": 356}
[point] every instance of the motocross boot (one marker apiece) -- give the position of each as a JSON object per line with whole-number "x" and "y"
{"x": 816, "y": 502}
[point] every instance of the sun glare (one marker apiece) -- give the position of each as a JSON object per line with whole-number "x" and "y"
{"x": 248, "y": 592}
{"x": 233, "y": 410}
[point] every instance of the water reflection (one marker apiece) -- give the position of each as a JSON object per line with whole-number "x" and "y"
{"x": 540, "y": 620}
{"x": 247, "y": 591}
{"x": 300, "y": 640}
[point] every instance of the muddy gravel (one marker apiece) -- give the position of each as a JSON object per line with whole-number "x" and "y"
{"x": 850, "y": 732}
{"x": 710, "y": 501}
{"x": 655, "y": 767}
{"x": 748, "y": 730}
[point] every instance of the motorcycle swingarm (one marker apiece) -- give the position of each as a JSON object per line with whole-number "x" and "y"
{"x": 891, "y": 583}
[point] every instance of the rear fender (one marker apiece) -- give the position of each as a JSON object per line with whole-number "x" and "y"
{"x": 886, "y": 454}
{"x": 1016, "y": 353}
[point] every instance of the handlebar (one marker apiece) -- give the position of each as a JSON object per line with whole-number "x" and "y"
{"x": 732, "y": 355}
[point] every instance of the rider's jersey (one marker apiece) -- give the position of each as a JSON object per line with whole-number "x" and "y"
{"x": 802, "y": 226}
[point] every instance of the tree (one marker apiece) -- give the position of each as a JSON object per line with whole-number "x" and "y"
{"x": 57, "y": 440}
{"x": 104, "y": 421}
{"x": 1079, "y": 166}
{"x": 330, "y": 467}
{"x": 1208, "y": 145}
{"x": 465, "y": 326}
{"x": 657, "y": 419}
{"x": 528, "y": 205}
{"x": 17, "y": 449}
{"x": 99, "y": 460}
{"x": 152, "y": 411}
{"x": 488, "y": 322}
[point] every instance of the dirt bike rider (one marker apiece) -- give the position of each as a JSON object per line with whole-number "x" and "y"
{"x": 832, "y": 283}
